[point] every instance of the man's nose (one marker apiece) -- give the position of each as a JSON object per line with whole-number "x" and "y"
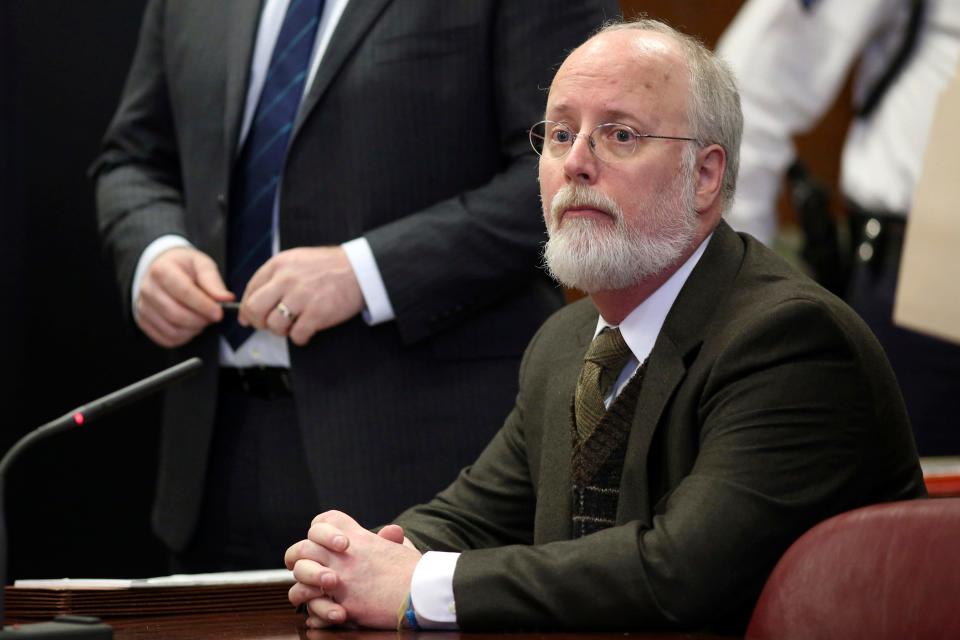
{"x": 580, "y": 163}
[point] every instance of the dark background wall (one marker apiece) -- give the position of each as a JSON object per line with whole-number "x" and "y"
{"x": 79, "y": 505}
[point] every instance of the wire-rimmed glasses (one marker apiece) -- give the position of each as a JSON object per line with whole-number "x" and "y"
{"x": 611, "y": 141}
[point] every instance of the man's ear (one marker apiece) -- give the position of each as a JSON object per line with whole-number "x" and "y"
{"x": 710, "y": 166}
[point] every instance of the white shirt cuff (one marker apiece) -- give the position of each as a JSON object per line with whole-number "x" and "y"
{"x": 431, "y": 590}
{"x": 378, "y": 308}
{"x": 154, "y": 249}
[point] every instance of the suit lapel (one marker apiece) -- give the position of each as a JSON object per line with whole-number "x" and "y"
{"x": 243, "y": 17}
{"x": 682, "y": 334}
{"x": 554, "y": 509}
{"x": 664, "y": 372}
{"x": 357, "y": 19}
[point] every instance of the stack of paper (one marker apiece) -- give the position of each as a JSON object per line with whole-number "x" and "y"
{"x": 167, "y": 595}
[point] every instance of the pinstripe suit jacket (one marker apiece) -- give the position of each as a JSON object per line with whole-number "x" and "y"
{"x": 413, "y": 135}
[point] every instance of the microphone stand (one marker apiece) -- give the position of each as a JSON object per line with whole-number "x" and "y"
{"x": 71, "y": 626}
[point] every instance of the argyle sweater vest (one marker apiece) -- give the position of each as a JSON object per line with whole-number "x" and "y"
{"x": 597, "y": 461}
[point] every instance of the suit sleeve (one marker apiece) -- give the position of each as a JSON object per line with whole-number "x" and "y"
{"x": 492, "y": 502}
{"x": 466, "y": 252}
{"x": 783, "y": 417}
{"x": 138, "y": 190}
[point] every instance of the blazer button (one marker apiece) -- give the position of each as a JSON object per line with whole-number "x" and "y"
{"x": 222, "y": 201}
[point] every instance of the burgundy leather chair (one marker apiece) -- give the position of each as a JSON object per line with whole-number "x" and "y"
{"x": 888, "y": 571}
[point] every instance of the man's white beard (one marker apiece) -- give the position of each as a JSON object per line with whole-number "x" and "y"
{"x": 592, "y": 256}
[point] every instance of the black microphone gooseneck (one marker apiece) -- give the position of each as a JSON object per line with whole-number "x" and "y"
{"x": 75, "y": 626}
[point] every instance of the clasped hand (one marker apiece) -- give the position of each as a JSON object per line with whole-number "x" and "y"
{"x": 346, "y": 573}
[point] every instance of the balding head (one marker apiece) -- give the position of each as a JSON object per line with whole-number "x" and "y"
{"x": 713, "y": 107}
{"x": 654, "y": 64}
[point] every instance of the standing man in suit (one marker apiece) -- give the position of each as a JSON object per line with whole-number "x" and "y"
{"x": 356, "y": 175}
{"x": 662, "y": 456}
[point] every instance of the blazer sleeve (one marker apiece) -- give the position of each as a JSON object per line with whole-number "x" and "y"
{"x": 138, "y": 190}
{"x": 493, "y": 501}
{"x": 465, "y": 252}
{"x": 784, "y": 417}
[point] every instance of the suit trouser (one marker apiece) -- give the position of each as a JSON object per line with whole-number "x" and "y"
{"x": 927, "y": 369}
{"x": 259, "y": 498}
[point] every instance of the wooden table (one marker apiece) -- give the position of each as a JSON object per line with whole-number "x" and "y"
{"x": 290, "y": 626}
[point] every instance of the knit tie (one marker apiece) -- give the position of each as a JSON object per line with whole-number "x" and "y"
{"x": 605, "y": 359}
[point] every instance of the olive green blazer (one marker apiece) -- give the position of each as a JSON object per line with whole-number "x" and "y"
{"x": 767, "y": 407}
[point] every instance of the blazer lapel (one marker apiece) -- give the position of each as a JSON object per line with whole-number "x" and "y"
{"x": 683, "y": 331}
{"x": 665, "y": 371}
{"x": 554, "y": 509}
{"x": 243, "y": 17}
{"x": 356, "y": 21}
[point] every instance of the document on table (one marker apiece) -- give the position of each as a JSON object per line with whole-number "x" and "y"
{"x": 177, "y": 580}
{"x": 165, "y": 595}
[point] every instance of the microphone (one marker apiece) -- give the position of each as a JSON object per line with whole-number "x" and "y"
{"x": 76, "y": 626}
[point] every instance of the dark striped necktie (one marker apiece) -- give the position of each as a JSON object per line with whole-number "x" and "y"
{"x": 606, "y": 357}
{"x": 260, "y": 165}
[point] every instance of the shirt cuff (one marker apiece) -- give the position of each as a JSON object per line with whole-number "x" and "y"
{"x": 431, "y": 590}
{"x": 378, "y": 308}
{"x": 154, "y": 249}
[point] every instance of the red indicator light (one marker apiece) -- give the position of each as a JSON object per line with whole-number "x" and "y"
{"x": 78, "y": 418}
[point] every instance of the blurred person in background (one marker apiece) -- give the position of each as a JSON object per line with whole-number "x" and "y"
{"x": 791, "y": 58}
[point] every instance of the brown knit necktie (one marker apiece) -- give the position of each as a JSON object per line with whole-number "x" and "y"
{"x": 606, "y": 357}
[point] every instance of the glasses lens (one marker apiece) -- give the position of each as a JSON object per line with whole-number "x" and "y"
{"x": 537, "y": 134}
{"x": 557, "y": 139}
{"x": 614, "y": 141}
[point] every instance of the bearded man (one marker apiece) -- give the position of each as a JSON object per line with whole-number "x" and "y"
{"x": 662, "y": 455}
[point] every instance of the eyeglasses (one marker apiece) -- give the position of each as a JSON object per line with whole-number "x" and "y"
{"x": 610, "y": 142}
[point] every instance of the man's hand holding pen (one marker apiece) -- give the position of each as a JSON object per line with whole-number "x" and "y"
{"x": 179, "y": 296}
{"x": 299, "y": 292}
{"x": 295, "y": 294}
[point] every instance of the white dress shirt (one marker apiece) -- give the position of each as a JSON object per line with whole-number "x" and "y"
{"x": 431, "y": 588}
{"x": 264, "y": 348}
{"x": 791, "y": 64}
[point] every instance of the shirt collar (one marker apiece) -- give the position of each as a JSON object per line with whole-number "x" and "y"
{"x": 642, "y": 325}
